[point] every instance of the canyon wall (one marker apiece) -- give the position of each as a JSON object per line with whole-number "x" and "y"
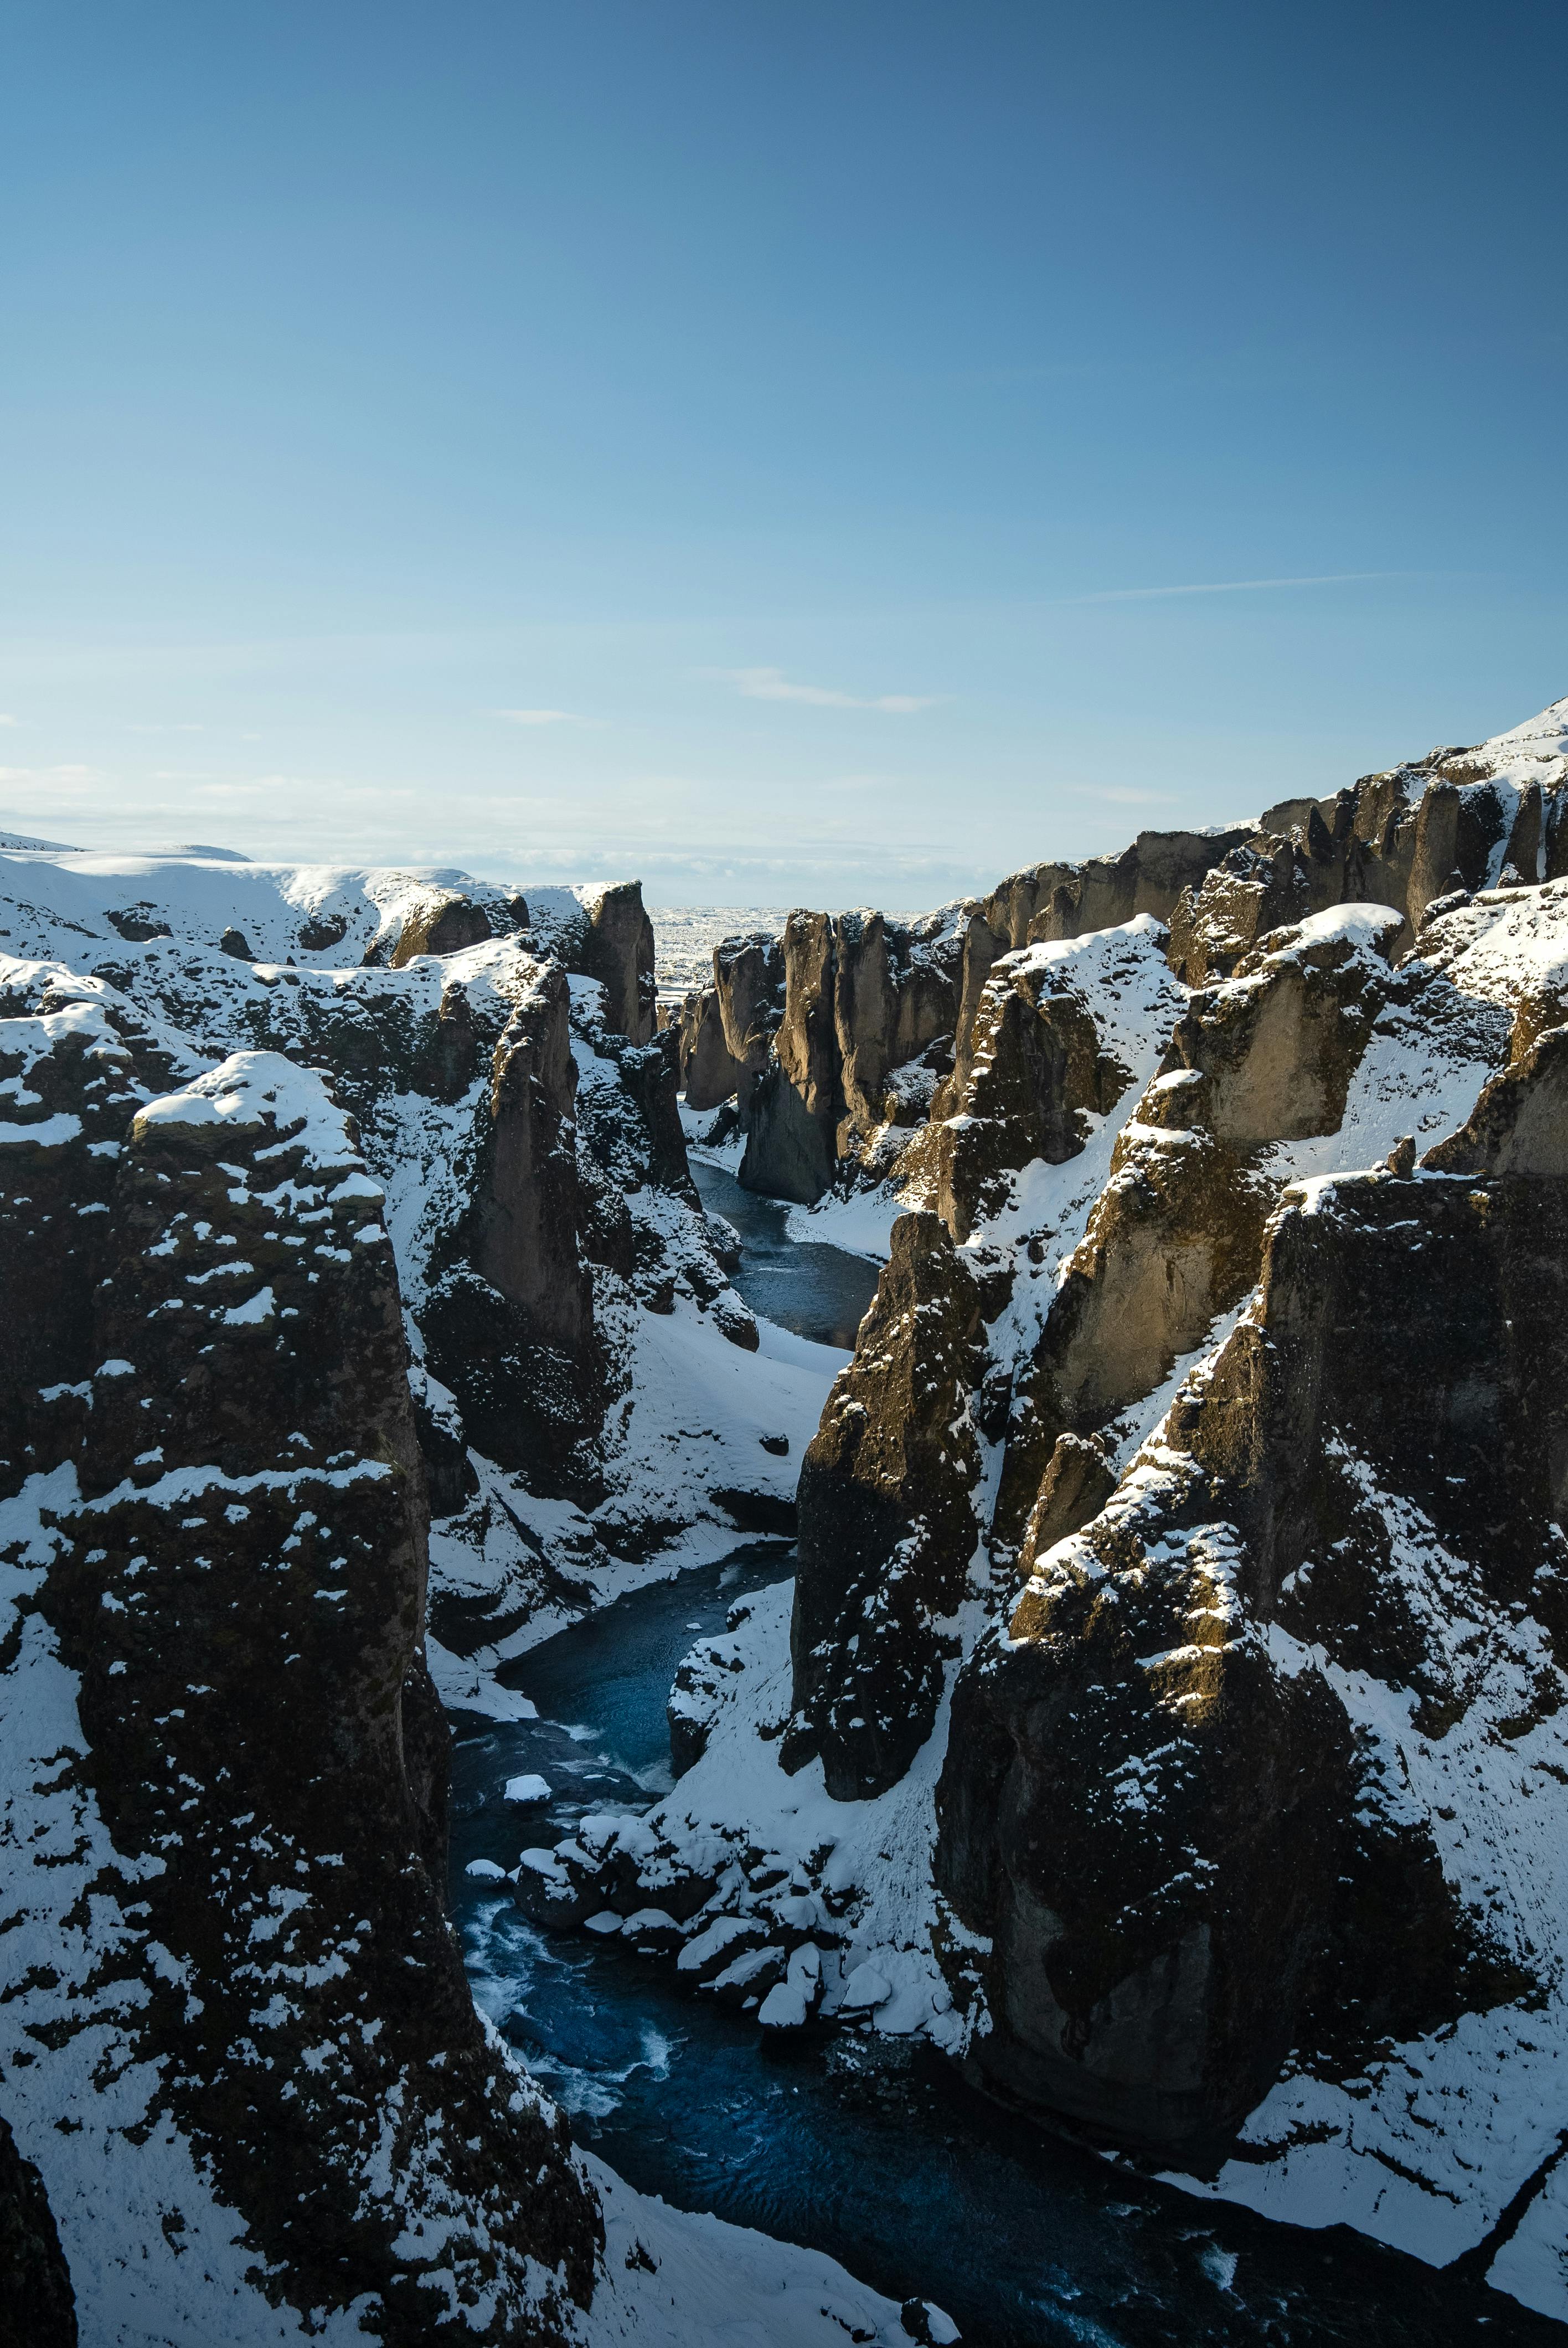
{"x": 327, "y": 1282}
{"x": 1170, "y": 1720}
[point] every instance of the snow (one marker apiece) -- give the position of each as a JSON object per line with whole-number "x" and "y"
{"x": 1426, "y": 2153}
{"x": 673, "y": 2279}
{"x": 129, "y": 2195}
{"x": 253, "y": 1090}
{"x": 44, "y": 1133}
{"x": 529, "y": 1790}
{"x": 861, "y": 1224}
{"x": 1536, "y": 751}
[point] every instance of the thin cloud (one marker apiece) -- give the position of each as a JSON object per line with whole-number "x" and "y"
{"x": 5, "y": 720}
{"x": 46, "y": 776}
{"x": 1119, "y": 796}
{"x": 772, "y": 684}
{"x": 166, "y": 729}
{"x": 1231, "y": 586}
{"x": 541, "y": 716}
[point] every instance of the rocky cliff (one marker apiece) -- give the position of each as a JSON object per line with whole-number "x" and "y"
{"x": 215, "y": 1545}
{"x": 1170, "y": 1723}
{"x": 364, "y": 1316}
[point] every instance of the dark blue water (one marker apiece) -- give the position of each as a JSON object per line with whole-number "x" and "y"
{"x": 818, "y": 1292}
{"x": 866, "y": 2149}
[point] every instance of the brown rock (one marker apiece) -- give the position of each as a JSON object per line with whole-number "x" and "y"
{"x": 1520, "y": 1124}
{"x": 888, "y": 1528}
{"x": 1076, "y": 1485}
{"x": 616, "y": 947}
{"x": 794, "y": 1112}
{"x": 708, "y": 1073}
{"x": 1161, "y": 1822}
{"x": 1177, "y": 1233}
{"x": 441, "y": 925}
{"x": 749, "y": 981}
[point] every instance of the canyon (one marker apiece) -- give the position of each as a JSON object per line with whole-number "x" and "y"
{"x": 1163, "y": 1723}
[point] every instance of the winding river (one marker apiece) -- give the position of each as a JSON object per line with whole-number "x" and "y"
{"x": 870, "y": 2149}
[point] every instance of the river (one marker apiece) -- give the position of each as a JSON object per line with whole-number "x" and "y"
{"x": 870, "y": 2149}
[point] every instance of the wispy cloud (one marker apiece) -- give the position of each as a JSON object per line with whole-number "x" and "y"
{"x": 1230, "y": 586}
{"x": 166, "y": 729}
{"x": 6, "y": 720}
{"x": 772, "y": 684}
{"x": 47, "y": 775}
{"x": 541, "y": 716}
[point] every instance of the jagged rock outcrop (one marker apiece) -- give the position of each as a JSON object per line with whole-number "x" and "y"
{"x": 710, "y": 1073}
{"x": 863, "y": 997}
{"x": 1159, "y": 1805}
{"x": 1176, "y": 1236}
{"x": 618, "y": 950}
{"x": 70, "y": 1083}
{"x": 1048, "y": 902}
{"x": 749, "y": 980}
{"x": 794, "y": 1112}
{"x": 232, "y": 1522}
{"x": 1520, "y": 1124}
{"x": 440, "y": 925}
{"x": 604, "y": 934}
{"x": 509, "y": 1318}
{"x": 887, "y": 1526}
{"x": 1456, "y": 819}
{"x": 1029, "y": 1064}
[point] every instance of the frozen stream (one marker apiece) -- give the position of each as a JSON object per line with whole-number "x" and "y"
{"x": 867, "y": 2148}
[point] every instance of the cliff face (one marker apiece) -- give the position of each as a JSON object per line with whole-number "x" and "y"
{"x": 606, "y": 935}
{"x": 1172, "y": 1723}
{"x": 888, "y": 1526}
{"x": 1183, "y": 1693}
{"x": 863, "y": 997}
{"x": 345, "y": 1296}
{"x": 220, "y": 1545}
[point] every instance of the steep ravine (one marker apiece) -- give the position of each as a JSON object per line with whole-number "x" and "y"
{"x": 1163, "y": 1729}
{"x": 866, "y": 2146}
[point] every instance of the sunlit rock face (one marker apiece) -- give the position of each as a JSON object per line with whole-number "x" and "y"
{"x": 1161, "y": 1802}
{"x": 887, "y": 1526}
{"x": 863, "y": 997}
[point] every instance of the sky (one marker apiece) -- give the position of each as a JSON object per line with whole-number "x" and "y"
{"x": 819, "y": 451}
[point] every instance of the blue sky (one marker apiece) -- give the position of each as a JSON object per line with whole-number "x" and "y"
{"x": 793, "y": 452}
